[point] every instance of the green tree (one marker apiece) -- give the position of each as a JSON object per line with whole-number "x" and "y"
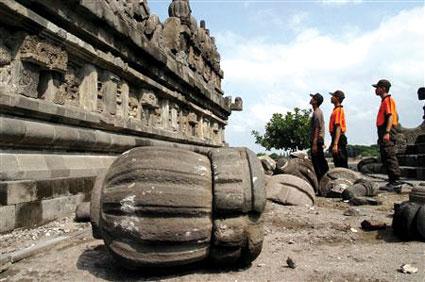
{"x": 288, "y": 132}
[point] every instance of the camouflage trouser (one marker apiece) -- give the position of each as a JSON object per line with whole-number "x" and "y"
{"x": 319, "y": 162}
{"x": 389, "y": 157}
{"x": 341, "y": 158}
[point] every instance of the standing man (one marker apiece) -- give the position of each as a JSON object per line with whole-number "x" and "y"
{"x": 337, "y": 128}
{"x": 386, "y": 122}
{"x": 317, "y": 134}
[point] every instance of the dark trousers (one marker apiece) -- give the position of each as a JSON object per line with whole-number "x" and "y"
{"x": 341, "y": 158}
{"x": 389, "y": 155}
{"x": 319, "y": 162}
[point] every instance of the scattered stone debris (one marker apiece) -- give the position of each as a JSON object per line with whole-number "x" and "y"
{"x": 20, "y": 239}
{"x": 373, "y": 225}
{"x": 352, "y": 212}
{"x": 291, "y": 263}
{"x": 269, "y": 165}
{"x": 408, "y": 269}
{"x": 362, "y": 201}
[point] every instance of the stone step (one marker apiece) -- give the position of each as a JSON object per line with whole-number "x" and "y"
{"x": 420, "y": 139}
{"x": 413, "y": 172}
{"x": 26, "y": 191}
{"x": 418, "y": 148}
{"x": 412, "y": 160}
{"x": 37, "y": 213}
{"x": 38, "y": 166}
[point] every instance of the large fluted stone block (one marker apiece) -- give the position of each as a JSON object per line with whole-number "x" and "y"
{"x": 409, "y": 217}
{"x": 160, "y": 206}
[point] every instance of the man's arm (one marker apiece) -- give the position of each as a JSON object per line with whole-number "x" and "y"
{"x": 336, "y": 140}
{"x": 388, "y": 127}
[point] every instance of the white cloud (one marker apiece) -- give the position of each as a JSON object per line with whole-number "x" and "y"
{"x": 277, "y": 77}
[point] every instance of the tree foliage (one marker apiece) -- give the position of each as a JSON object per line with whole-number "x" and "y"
{"x": 363, "y": 150}
{"x": 288, "y": 132}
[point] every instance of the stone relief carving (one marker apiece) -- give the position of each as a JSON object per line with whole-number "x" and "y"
{"x": 43, "y": 53}
{"x": 151, "y": 110}
{"x": 134, "y": 110}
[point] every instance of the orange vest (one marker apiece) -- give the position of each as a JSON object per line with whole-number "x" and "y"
{"x": 337, "y": 118}
{"x": 387, "y": 108}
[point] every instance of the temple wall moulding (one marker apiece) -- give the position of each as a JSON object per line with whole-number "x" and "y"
{"x": 46, "y": 68}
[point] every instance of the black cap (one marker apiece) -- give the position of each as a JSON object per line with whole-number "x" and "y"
{"x": 317, "y": 97}
{"x": 382, "y": 83}
{"x": 339, "y": 94}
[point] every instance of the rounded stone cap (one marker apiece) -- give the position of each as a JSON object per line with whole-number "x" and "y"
{"x": 417, "y": 195}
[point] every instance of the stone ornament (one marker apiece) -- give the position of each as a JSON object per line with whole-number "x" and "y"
{"x": 409, "y": 217}
{"x": 155, "y": 207}
{"x": 44, "y": 54}
{"x": 180, "y": 9}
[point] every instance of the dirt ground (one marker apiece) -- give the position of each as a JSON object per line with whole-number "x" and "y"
{"x": 325, "y": 244}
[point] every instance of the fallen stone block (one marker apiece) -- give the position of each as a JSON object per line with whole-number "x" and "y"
{"x": 303, "y": 168}
{"x": 369, "y": 225}
{"x": 336, "y": 180}
{"x": 269, "y": 165}
{"x": 288, "y": 189}
{"x": 360, "y": 188}
{"x": 159, "y": 207}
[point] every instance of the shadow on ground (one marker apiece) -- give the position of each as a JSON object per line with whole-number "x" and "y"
{"x": 100, "y": 263}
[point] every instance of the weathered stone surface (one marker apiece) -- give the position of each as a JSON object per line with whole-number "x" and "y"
{"x": 82, "y": 212}
{"x": 154, "y": 207}
{"x": 288, "y": 189}
{"x": 269, "y": 165}
{"x": 232, "y": 180}
{"x": 405, "y": 220}
{"x": 7, "y": 215}
{"x": 73, "y": 79}
{"x": 172, "y": 183}
{"x": 360, "y": 188}
{"x": 258, "y": 182}
{"x": 336, "y": 180}
{"x": 17, "y": 192}
{"x": 40, "y": 212}
{"x": 303, "y": 168}
{"x": 88, "y": 88}
{"x": 95, "y": 205}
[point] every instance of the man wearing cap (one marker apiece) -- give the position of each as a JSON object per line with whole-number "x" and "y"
{"x": 317, "y": 134}
{"x": 337, "y": 128}
{"x": 386, "y": 121}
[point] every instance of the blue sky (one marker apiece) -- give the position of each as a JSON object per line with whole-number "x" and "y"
{"x": 274, "y": 53}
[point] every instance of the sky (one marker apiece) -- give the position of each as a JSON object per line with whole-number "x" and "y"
{"x": 274, "y": 53}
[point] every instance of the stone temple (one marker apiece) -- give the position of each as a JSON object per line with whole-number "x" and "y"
{"x": 83, "y": 81}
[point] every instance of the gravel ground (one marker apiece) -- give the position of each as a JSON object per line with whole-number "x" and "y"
{"x": 325, "y": 245}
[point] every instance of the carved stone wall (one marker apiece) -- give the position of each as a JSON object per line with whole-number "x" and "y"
{"x": 96, "y": 78}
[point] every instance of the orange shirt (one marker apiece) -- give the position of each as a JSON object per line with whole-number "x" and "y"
{"x": 387, "y": 108}
{"x": 337, "y": 118}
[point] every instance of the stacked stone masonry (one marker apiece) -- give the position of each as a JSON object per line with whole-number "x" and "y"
{"x": 83, "y": 81}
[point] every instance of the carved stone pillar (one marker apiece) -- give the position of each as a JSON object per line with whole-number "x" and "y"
{"x": 165, "y": 114}
{"x": 109, "y": 92}
{"x": 174, "y": 117}
{"x": 122, "y": 100}
{"x": 88, "y": 88}
{"x": 26, "y": 77}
